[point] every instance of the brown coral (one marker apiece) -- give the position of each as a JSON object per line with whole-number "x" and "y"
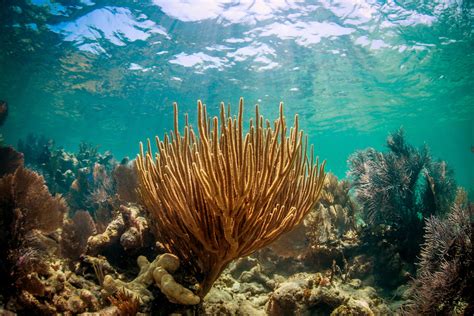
{"x": 75, "y": 234}
{"x": 29, "y": 199}
{"x": 126, "y": 182}
{"x": 221, "y": 195}
{"x": 126, "y": 303}
{"x": 10, "y": 160}
{"x": 29, "y": 222}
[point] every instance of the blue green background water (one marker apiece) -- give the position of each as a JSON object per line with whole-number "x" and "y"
{"x": 107, "y": 72}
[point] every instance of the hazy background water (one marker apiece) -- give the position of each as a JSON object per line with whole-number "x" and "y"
{"x": 107, "y": 72}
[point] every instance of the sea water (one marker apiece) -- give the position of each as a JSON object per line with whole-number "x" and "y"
{"x": 108, "y": 72}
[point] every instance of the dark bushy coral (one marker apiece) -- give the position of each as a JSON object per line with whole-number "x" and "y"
{"x": 445, "y": 277}
{"x": 397, "y": 190}
{"x": 385, "y": 182}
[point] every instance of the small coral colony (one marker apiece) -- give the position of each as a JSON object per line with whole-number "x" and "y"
{"x": 227, "y": 217}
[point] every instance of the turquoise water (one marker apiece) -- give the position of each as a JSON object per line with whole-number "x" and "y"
{"x": 107, "y": 72}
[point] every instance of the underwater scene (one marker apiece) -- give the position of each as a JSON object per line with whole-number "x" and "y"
{"x": 253, "y": 157}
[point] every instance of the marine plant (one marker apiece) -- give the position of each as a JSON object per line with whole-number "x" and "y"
{"x": 445, "y": 276}
{"x": 222, "y": 194}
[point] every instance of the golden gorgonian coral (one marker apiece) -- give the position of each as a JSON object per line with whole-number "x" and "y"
{"x": 223, "y": 194}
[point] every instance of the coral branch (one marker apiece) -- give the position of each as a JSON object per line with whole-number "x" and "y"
{"x": 221, "y": 195}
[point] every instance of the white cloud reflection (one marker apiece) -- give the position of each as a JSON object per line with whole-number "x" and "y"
{"x": 227, "y": 11}
{"x": 115, "y": 24}
{"x": 200, "y": 61}
{"x": 304, "y": 33}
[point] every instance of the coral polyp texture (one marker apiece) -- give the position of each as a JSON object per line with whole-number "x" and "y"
{"x": 222, "y": 194}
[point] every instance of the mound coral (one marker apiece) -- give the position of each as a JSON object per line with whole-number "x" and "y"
{"x": 221, "y": 195}
{"x": 334, "y": 215}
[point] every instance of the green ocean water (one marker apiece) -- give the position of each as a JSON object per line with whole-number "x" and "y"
{"x": 107, "y": 72}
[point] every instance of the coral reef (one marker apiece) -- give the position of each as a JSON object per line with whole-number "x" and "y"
{"x": 222, "y": 195}
{"x": 328, "y": 233}
{"x": 331, "y": 225}
{"x": 304, "y": 293}
{"x": 245, "y": 288}
{"x": 88, "y": 172}
{"x": 445, "y": 276}
{"x": 207, "y": 205}
{"x": 334, "y": 215}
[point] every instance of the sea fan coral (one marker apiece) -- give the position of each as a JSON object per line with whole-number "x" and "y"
{"x": 222, "y": 195}
{"x": 33, "y": 207}
{"x": 75, "y": 234}
{"x": 29, "y": 216}
{"x": 126, "y": 182}
{"x": 444, "y": 284}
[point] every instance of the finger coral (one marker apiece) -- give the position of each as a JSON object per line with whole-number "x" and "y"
{"x": 223, "y": 194}
{"x": 157, "y": 272}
